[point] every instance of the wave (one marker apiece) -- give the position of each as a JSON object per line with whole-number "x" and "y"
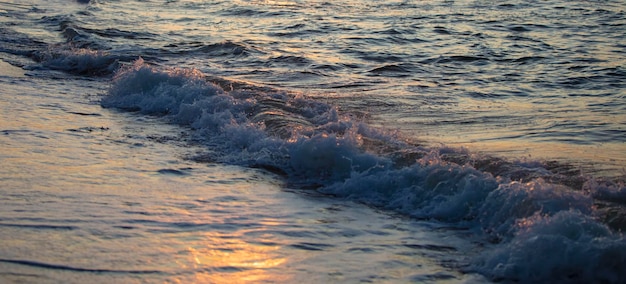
{"x": 538, "y": 222}
{"x": 20, "y": 44}
{"x": 70, "y": 57}
{"x": 79, "y": 61}
{"x": 222, "y": 49}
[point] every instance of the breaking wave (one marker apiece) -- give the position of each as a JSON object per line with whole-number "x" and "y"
{"x": 514, "y": 207}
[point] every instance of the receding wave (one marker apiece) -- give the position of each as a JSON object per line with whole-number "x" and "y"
{"x": 514, "y": 207}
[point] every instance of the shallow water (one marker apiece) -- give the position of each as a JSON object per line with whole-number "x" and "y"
{"x": 308, "y": 141}
{"x": 95, "y": 195}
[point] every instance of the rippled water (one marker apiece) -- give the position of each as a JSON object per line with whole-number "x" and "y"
{"x": 544, "y": 79}
{"x": 540, "y": 78}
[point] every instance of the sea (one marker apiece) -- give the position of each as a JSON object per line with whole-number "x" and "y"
{"x": 312, "y": 141}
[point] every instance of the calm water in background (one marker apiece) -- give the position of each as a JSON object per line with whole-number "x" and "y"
{"x": 541, "y": 79}
{"x": 527, "y": 81}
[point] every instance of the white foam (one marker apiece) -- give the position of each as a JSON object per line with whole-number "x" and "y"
{"x": 510, "y": 202}
{"x": 569, "y": 247}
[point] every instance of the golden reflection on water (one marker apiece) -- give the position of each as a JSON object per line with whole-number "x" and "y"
{"x": 227, "y": 258}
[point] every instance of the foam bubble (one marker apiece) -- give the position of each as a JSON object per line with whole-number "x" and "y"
{"x": 436, "y": 190}
{"x": 607, "y": 191}
{"x": 513, "y": 201}
{"x": 569, "y": 247}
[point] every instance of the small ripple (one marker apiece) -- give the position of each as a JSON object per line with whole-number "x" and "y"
{"x": 312, "y": 246}
{"x": 393, "y": 70}
{"x": 443, "y": 59}
{"x": 361, "y": 249}
{"x": 291, "y": 59}
{"x": 53, "y": 266}
{"x": 481, "y": 95}
{"x": 435, "y": 277}
{"x": 40, "y": 226}
{"x": 517, "y": 28}
{"x": 220, "y": 49}
{"x": 430, "y": 247}
{"x": 172, "y": 172}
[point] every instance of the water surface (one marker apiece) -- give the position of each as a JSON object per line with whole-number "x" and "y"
{"x": 309, "y": 141}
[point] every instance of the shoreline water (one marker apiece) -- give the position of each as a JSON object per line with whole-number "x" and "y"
{"x": 9, "y": 70}
{"x": 97, "y": 195}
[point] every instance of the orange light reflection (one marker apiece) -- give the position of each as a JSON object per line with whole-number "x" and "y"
{"x": 230, "y": 259}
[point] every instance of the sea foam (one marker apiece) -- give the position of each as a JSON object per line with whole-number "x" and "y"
{"x": 568, "y": 247}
